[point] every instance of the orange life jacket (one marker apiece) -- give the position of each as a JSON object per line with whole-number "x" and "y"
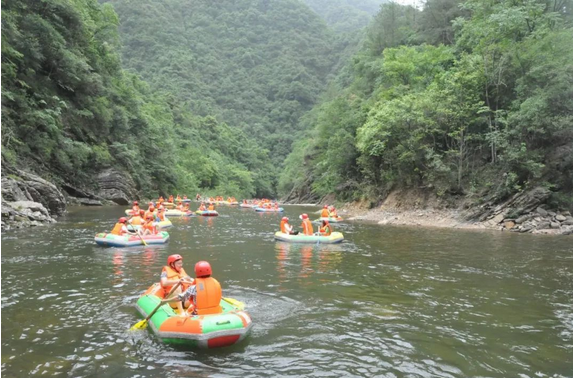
{"x": 208, "y": 298}
{"x": 283, "y": 227}
{"x": 202, "y": 208}
{"x": 325, "y": 213}
{"x": 172, "y": 274}
{"x": 211, "y": 207}
{"x": 151, "y": 227}
{"x": 137, "y": 220}
{"x": 307, "y": 227}
{"x": 161, "y": 215}
{"x": 171, "y": 199}
{"x": 117, "y": 229}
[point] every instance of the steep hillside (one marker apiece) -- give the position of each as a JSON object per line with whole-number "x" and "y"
{"x": 256, "y": 65}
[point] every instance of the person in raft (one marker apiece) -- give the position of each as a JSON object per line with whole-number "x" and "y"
{"x": 171, "y": 274}
{"x": 325, "y": 213}
{"x": 202, "y": 207}
{"x": 149, "y": 227}
{"x": 306, "y": 225}
{"x": 325, "y": 229}
{"x": 205, "y": 295}
{"x": 211, "y": 207}
{"x": 135, "y": 209}
{"x": 120, "y": 228}
{"x": 286, "y": 228}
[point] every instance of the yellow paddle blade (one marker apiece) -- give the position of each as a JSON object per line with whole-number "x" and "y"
{"x": 139, "y": 325}
{"x": 233, "y": 302}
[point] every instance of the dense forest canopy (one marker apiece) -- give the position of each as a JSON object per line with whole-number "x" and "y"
{"x": 256, "y": 65}
{"x": 345, "y": 16}
{"x": 69, "y": 110}
{"x": 466, "y": 98}
{"x": 461, "y": 98}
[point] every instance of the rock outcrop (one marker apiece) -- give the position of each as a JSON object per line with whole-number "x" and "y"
{"x": 116, "y": 186}
{"x": 23, "y": 186}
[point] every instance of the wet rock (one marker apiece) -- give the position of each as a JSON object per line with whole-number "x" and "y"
{"x": 555, "y": 225}
{"x": 116, "y": 186}
{"x": 541, "y": 211}
{"x": 543, "y": 225}
{"x": 509, "y": 225}
{"x": 522, "y": 218}
{"x": 23, "y": 186}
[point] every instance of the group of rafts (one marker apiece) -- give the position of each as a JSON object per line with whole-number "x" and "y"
{"x": 230, "y": 324}
{"x": 148, "y": 226}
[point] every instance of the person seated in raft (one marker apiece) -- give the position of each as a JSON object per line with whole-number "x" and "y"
{"x": 211, "y": 199}
{"x": 179, "y": 206}
{"x": 151, "y": 211}
{"x": 202, "y": 207}
{"x": 149, "y": 227}
{"x": 171, "y": 198}
{"x": 325, "y": 229}
{"x": 120, "y": 228}
{"x": 160, "y": 213}
{"x": 197, "y": 197}
{"x": 211, "y": 207}
{"x": 286, "y": 228}
{"x": 184, "y": 197}
{"x": 135, "y": 209}
{"x": 160, "y": 200}
{"x": 205, "y": 295}
{"x": 171, "y": 274}
{"x": 332, "y": 210}
{"x": 325, "y": 213}
{"x": 137, "y": 220}
{"x": 306, "y": 225}
{"x": 186, "y": 207}
{"x": 178, "y": 198}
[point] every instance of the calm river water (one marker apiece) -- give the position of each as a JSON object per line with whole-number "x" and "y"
{"x": 388, "y": 302}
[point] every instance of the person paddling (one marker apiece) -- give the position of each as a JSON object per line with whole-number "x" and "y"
{"x": 120, "y": 227}
{"x": 172, "y": 274}
{"x": 306, "y": 225}
{"x": 286, "y": 228}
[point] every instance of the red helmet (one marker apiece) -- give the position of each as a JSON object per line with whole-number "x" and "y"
{"x": 304, "y": 216}
{"x": 325, "y": 207}
{"x": 135, "y": 203}
{"x": 285, "y": 219}
{"x": 122, "y": 220}
{"x": 173, "y": 258}
{"x": 203, "y": 268}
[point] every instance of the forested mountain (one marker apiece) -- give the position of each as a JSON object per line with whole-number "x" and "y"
{"x": 467, "y": 98}
{"x": 69, "y": 111}
{"x": 345, "y": 15}
{"x": 257, "y": 65}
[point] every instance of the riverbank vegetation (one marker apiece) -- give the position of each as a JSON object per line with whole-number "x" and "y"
{"x": 465, "y": 98}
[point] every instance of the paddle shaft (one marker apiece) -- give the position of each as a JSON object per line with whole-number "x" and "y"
{"x": 161, "y": 302}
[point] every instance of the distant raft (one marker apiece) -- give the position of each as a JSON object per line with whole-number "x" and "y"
{"x": 247, "y": 205}
{"x": 330, "y": 219}
{"x": 207, "y": 213}
{"x": 166, "y": 223}
{"x": 335, "y": 237}
{"x": 199, "y": 331}
{"x": 269, "y": 210}
{"x": 111, "y": 240}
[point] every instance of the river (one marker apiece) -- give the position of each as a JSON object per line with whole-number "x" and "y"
{"x": 388, "y": 302}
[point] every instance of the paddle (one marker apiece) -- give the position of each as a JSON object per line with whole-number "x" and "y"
{"x": 138, "y": 234}
{"x": 143, "y": 323}
{"x": 233, "y": 302}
